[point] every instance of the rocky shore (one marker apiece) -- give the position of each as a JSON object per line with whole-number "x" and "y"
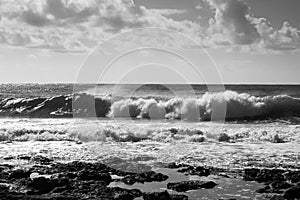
{"x": 47, "y": 179}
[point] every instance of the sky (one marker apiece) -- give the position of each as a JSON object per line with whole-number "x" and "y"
{"x": 150, "y": 41}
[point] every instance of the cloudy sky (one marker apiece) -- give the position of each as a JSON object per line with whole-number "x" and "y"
{"x": 236, "y": 41}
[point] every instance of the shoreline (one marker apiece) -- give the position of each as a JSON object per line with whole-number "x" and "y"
{"x": 47, "y": 179}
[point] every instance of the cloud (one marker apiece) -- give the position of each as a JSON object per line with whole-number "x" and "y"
{"x": 77, "y": 25}
{"x": 231, "y": 21}
{"x": 234, "y": 25}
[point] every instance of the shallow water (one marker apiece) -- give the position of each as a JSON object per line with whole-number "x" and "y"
{"x": 226, "y": 188}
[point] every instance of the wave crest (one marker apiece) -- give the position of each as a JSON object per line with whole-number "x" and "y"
{"x": 238, "y": 106}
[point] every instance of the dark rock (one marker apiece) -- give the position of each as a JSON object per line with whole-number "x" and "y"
{"x": 277, "y": 197}
{"x": 280, "y": 185}
{"x": 293, "y": 176}
{"x": 200, "y": 171}
{"x": 94, "y": 175}
{"x": 75, "y": 180}
{"x": 178, "y": 197}
{"x": 277, "y": 139}
{"x": 292, "y": 193}
{"x": 24, "y": 157}
{"x": 19, "y": 173}
{"x": 122, "y": 194}
{"x": 224, "y": 137}
{"x": 173, "y": 130}
{"x": 275, "y": 187}
{"x": 42, "y": 185}
{"x": 157, "y": 196}
{"x": 264, "y": 175}
{"x": 174, "y": 165}
{"x": 191, "y": 185}
{"x": 42, "y": 159}
{"x": 144, "y": 177}
{"x": 199, "y": 139}
{"x": 8, "y": 158}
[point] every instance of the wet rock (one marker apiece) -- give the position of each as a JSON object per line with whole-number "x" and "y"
{"x": 19, "y": 173}
{"x": 198, "y": 139}
{"x": 163, "y": 196}
{"x": 174, "y": 165}
{"x": 94, "y": 175}
{"x": 144, "y": 177}
{"x": 191, "y": 185}
{"x": 281, "y": 185}
{"x": 42, "y": 159}
{"x": 276, "y": 197}
{"x": 157, "y": 196}
{"x": 41, "y": 185}
{"x": 275, "y": 187}
{"x": 122, "y": 194}
{"x": 264, "y": 175}
{"x": 292, "y": 193}
{"x": 173, "y": 130}
{"x": 200, "y": 171}
{"x": 179, "y": 197}
{"x": 8, "y": 158}
{"x": 293, "y": 176}
{"x": 224, "y": 137}
{"x": 75, "y": 180}
{"x": 228, "y": 199}
{"x": 24, "y": 157}
{"x": 277, "y": 139}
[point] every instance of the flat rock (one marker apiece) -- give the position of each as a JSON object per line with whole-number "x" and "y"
{"x": 163, "y": 196}
{"x": 184, "y": 186}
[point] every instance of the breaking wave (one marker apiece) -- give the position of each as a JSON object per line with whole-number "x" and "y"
{"x": 160, "y": 134}
{"x": 238, "y": 106}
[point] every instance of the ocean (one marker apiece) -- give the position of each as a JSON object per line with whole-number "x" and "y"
{"x": 126, "y": 126}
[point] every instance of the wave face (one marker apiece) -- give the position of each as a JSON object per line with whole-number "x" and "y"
{"x": 238, "y": 106}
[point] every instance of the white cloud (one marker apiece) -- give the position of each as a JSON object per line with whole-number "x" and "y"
{"x": 74, "y": 25}
{"x": 77, "y": 25}
{"x": 234, "y": 25}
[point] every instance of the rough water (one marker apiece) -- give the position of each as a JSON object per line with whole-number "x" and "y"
{"x": 150, "y": 101}
{"x": 152, "y": 126}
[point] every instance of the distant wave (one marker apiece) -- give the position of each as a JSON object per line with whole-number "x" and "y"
{"x": 239, "y": 106}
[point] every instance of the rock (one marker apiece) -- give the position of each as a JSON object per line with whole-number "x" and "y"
{"x": 292, "y": 193}
{"x": 264, "y": 175}
{"x": 277, "y": 139}
{"x": 293, "y": 176}
{"x": 75, "y": 180}
{"x": 280, "y": 185}
{"x": 178, "y": 197}
{"x": 94, "y": 175}
{"x": 42, "y": 159}
{"x": 198, "y": 139}
{"x": 174, "y": 165}
{"x": 157, "y": 196}
{"x": 191, "y": 185}
{"x": 200, "y": 171}
{"x": 163, "y": 196}
{"x": 224, "y": 138}
{"x": 122, "y": 194}
{"x": 144, "y": 177}
{"x": 173, "y": 130}
{"x": 275, "y": 187}
{"x": 8, "y": 158}
{"x": 19, "y": 173}
{"x": 277, "y": 197}
{"x": 24, "y": 157}
{"x": 42, "y": 185}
